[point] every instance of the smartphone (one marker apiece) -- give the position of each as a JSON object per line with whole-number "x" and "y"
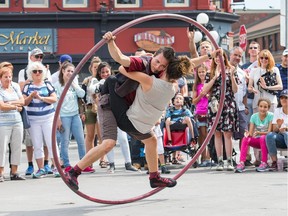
{"x": 192, "y": 27}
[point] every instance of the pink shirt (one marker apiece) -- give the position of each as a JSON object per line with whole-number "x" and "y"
{"x": 202, "y": 105}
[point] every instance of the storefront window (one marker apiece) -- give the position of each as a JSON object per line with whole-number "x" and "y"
{"x": 176, "y": 3}
{"x": 127, "y": 3}
{"x": 36, "y": 3}
{"x": 75, "y": 3}
{"x": 4, "y": 3}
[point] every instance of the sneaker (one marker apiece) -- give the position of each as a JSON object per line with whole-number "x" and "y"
{"x": 67, "y": 169}
{"x": 263, "y": 167}
{"x": 2, "y": 178}
{"x": 48, "y": 169}
{"x": 205, "y": 163}
{"x": 164, "y": 170}
{"x": 256, "y": 163}
{"x": 129, "y": 167}
{"x": 162, "y": 182}
{"x": 88, "y": 170}
{"x": 220, "y": 166}
{"x": 230, "y": 166}
{"x": 72, "y": 179}
{"x": 248, "y": 163}
{"x": 240, "y": 167}
{"x": 39, "y": 174}
{"x": 16, "y": 177}
{"x": 111, "y": 168}
{"x": 29, "y": 170}
{"x": 274, "y": 166}
{"x": 56, "y": 173}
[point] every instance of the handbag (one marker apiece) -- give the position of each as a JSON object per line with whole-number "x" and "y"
{"x": 25, "y": 119}
{"x": 270, "y": 80}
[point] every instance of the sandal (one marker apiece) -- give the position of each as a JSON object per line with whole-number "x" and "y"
{"x": 103, "y": 164}
{"x": 175, "y": 161}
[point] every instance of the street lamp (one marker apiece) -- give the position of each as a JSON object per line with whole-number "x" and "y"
{"x": 203, "y": 19}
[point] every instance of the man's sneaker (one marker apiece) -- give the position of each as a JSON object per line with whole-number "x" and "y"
{"x": 230, "y": 166}
{"x": 39, "y": 174}
{"x": 263, "y": 167}
{"x": 129, "y": 167}
{"x": 274, "y": 166}
{"x": 111, "y": 168}
{"x": 164, "y": 170}
{"x": 88, "y": 170}
{"x": 72, "y": 179}
{"x": 29, "y": 170}
{"x": 48, "y": 169}
{"x": 240, "y": 168}
{"x": 2, "y": 178}
{"x": 162, "y": 182}
{"x": 67, "y": 169}
{"x": 220, "y": 166}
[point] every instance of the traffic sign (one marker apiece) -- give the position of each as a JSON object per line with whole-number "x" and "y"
{"x": 243, "y": 37}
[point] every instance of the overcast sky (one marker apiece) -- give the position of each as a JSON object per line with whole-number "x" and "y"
{"x": 260, "y": 4}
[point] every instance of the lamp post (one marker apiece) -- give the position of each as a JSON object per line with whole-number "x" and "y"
{"x": 199, "y": 36}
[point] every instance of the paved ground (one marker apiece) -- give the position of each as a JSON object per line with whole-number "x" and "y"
{"x": 201, "y": 191}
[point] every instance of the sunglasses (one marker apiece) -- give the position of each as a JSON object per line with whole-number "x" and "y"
{"x": 266, "y": 58}
{"x": 38, "y": 56}
{"x": 253, "y": 47}
{"x": 35, "y": 71}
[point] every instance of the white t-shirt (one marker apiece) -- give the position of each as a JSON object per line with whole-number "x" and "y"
{"x": 279, "y": 114}
{"x": 242, "y": 88}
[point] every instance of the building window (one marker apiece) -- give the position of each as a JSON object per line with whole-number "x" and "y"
{"x": 36, "y": 3}
{"x": 127, "y": 3}
{"x": 4, "y": 3}
{"x": 75, "y": 3}
{"x": 176, "y": 3}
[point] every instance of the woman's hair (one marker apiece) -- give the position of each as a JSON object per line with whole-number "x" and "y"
{"x": 266, "y": 100}
{"x": 197, "y": 78}
{"x": 36, "y": 66}
{"x": 214, "y": 65}
{"x": 100, "y": 67}
{"x": 178, "y": 67}
{"x": 271, "y": 61}
{"x": 94, "y": 60}
{"x": 5, "y": 67}
{"x": 63, "y": 67}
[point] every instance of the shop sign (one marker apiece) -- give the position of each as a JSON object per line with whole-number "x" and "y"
{"x": 153, "y": 40}
{"x": 25, "y": 40}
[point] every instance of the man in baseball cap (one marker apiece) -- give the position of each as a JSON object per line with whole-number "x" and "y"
{"x": 36, "y": 51}
{"x": 64, "y": 58}
{"x": 283, "y": 69}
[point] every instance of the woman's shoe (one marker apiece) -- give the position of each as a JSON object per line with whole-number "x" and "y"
{"x": 16, "y": 177}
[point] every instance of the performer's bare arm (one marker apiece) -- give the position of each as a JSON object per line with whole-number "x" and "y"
{"x": 145, "y": 80}
{"x": 114, "y": 51}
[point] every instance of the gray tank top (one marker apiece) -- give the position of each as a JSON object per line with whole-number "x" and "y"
{"x": 148, "y": 107}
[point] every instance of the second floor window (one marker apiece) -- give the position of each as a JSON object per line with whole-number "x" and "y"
{"x": 126, "y": 3}
{"x": 176, "y": 3}
{"x": 75, "y": 3}
{"x": 36, "y": 3}
{"x": 4, "y": 3}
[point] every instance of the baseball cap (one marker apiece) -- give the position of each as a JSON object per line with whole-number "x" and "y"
{"x": 64, "y": 58}
{"x": 285, "y": 52}
{"x": 284, "y": 93}
{"x": 36, "y": 51}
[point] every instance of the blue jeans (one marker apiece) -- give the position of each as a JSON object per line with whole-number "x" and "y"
{"x": 276, "y": 140}
{"x": 72, "y": 124}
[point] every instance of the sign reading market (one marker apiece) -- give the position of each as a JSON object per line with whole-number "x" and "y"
{"x": 24, "y": 40}
{"x": 153, "y": 40}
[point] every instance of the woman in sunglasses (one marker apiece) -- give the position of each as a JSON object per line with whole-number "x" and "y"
{"x": 39, "y": 98}
{"x": 265, "y": 80}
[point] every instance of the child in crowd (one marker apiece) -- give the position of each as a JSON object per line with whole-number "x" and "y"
{"x": 178, "y": 117}
{"x": 260, "y": 126}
